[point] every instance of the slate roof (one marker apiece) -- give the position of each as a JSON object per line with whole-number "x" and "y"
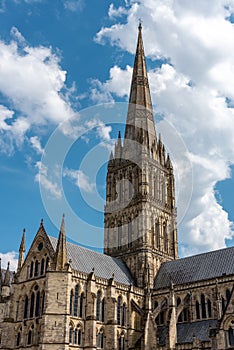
{"x": 85, "y": 260}
{"x": 196, "y": 268}
{"x": 201, "y": 329}
{"x": 186, "y": 331}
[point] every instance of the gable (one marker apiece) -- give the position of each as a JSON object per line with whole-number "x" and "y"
{"x": 39, "y": 254}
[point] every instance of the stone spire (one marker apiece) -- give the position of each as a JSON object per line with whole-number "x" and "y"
{"x": 21, "y": 252}
{"x": 140, "y": 212}
{"x": 140, "y": 123}
{"x": 61, "y": 249}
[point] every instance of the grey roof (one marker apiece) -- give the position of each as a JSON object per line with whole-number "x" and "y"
{"x": 196, "y": 268}
{"x": 105, "y": 266}
{"x": 201, "y": 330}
{"x": 186, "y": 331}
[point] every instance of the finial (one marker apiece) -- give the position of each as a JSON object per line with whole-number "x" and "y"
{"x": 62, "y": 227}
{"x": 93, "y": 269}
{"x": 140, "y": 24}
{"x": 42, "y": 222}
{"x": 119, "y": 135}
{"x": 111, "y": 155}
{"x": 7, "y": 276}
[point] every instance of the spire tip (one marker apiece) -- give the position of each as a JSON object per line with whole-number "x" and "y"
{"x": 140, "y": 24}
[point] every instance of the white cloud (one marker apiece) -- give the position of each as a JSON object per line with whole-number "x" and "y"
{"x": 11, "y": 257}
{"x": 116, "y": 12}
{"x": 18, "y": 36}
{"x": 102, "y": 129}
{"x": 5, "y": 114}
{"x": 74, "y": 5}
{"x": 190, "y": 91}
{"x": 36, "y": 144}
{"x": 47, "y": 183}
{"x": 80, "y": 179}
{"x": 32, "y": 80}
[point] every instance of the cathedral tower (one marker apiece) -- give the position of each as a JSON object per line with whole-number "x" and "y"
{"x": 140, "y": 212}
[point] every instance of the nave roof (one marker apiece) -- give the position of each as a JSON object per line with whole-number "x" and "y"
{"x": 196, "y": 268}
{"x": 85, "y": 260}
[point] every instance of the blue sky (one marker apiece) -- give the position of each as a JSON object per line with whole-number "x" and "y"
{"x": 62, "y": 61}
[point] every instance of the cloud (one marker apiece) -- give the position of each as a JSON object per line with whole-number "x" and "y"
{"x": 32, "y": 80}
{"x": 80, "y": 179}
{"x": 11, "y": 257}
{"x": 117, "y": 84}
{"x": 50, "y": 185}
{"x": 116, "y": 12}
{"x": 73, "y": 5}
{"x": 192, "y": 87}
{"x": 18, "y": 36}
{"x": 36, "y": 144}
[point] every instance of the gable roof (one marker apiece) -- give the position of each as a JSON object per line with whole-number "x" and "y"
{"x": 195, "y": 268}
{"x": 85, "y": 260}
{"x": 187, "y": 331}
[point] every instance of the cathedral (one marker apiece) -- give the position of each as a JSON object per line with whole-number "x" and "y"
{"x": 138, "y": 294}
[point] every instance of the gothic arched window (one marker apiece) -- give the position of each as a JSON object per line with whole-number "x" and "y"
{"x": 197, "y": 310}
{"x": 209, "y": 308}
{"x": 157, "y": 233}
{"x": 203, "y": 306}
{"x": 36, "y": 268}
{"x": 98, "y": 306}
{"x": 119, "y": 306}
{"x": 75, "y": 309}
{"x": 31, "y": 269}
{"x": 37, "y": 310}
{"x": 70, "y": 334}
{"x": 79, "y": 336}
{"x": 103, "y": 310}
{"x": 42, "y": 302}
{"x": 29, "y": 342}
{"x": 121, "y": 342}
{"x": 32, "y": 302}
{"x": 100, "y": 339}
{"x": 71, "y": 302}
{"x": 42, "y": 266}
{"x": 76, "y": 336}
{"x": 165, "y": 236}
{"x": 124, "y": 311}
{"x": 81, "y": 305}
{"x": 26, "y": 307}
{"x": 30, "y": 336}
{"x": 18, "y": 338}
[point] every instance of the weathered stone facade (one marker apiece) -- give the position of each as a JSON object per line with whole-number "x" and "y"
{"x": 138, "y": 295}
